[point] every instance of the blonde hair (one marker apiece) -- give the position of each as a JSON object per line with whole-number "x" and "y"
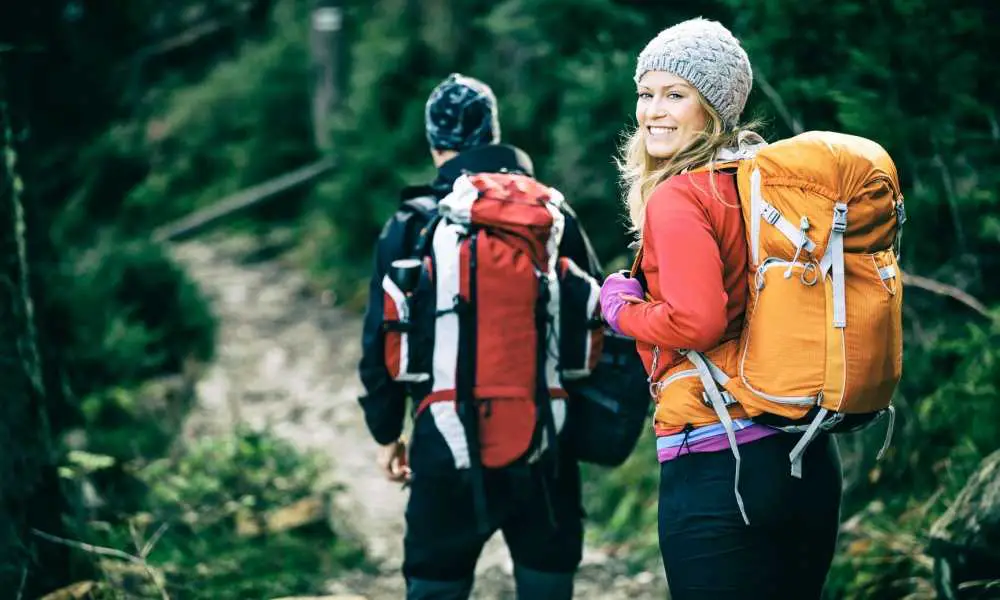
{"x": 640, "y": 173}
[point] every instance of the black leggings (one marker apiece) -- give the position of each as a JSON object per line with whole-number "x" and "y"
{"x": 709, "y": 553}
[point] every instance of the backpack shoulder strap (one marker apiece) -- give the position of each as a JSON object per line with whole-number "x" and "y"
{"x": 425, "y": 206}
{"x": 636, "y": 262}
{"x": 425, "y": 213}
{"x": 635, "y": 272}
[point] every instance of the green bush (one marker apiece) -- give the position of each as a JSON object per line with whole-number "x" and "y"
{"x": 563, "y": 97}
{"x": 945, "y": 436}
{"x": 134, "y": 324}
{"x": 621, "y": 503}
{"x": 209, "y": 506}
{"x": 247, "y": 121}
{"x": 133, "y": 314}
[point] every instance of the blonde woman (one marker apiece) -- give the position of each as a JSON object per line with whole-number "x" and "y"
{"x": 774, "y": 537}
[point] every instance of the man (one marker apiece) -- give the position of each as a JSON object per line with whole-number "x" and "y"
{"x": 537, "y": 509}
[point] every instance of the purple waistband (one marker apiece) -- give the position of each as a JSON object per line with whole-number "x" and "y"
{"x": 711, "y": 438}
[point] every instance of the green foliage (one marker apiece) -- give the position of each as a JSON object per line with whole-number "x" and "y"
{"x": 883, "y": 551}
{"x": 622, "y": 502}
{"x": 203, "y": 492}
{"x": 916, "y": 90}
{"x": 135, "y": 315}
{"x": 203, "y": 512}
{"x": 563, "y": 96}
{"x": 247, "y": 121}
{"x": 254, "y": 470}
{"x": 119, "y": 154}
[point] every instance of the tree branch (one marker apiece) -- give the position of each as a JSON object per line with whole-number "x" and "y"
{"x": 943, "y": 289}
{"x": 103, "y": 551}
{"x": 778, "y": 103}
{"x": 24, "y": 579}
{"x": 146, "y": 549}
{"x": 241, "y": 200}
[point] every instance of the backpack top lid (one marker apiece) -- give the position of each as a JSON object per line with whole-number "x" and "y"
{"x": 836, "y": 165}
{"x": 510, "y": 188}
{"x": 511, "y": 203}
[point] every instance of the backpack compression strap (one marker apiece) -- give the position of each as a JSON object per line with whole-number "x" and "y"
{"x": 711, "y": 378}
{"x": 465, "y": 397}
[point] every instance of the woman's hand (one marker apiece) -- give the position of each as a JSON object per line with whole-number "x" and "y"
{"x": 617, "y": 291}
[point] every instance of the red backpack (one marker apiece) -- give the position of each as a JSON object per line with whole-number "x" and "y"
{"x": 485, "y": 322}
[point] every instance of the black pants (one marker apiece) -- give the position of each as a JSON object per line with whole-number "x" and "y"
{"x": 709, "y": 553}
{"x": 442, "y": 543}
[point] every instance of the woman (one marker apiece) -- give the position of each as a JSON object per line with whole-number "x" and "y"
{"x": 775, "y": 536}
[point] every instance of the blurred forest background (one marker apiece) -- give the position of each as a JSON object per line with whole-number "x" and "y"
{"x": 119, "y": 117}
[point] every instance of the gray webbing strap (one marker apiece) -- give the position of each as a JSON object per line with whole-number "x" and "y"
{"x": 833, "y": 260}
{"x": 888, "y": 432}
{"x": 800, "y": 448}
{"x": 795, "y": 235}
{"x": 715, "y": 399}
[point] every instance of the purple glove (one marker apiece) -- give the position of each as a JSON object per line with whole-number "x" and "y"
{"x": 615, "y": 286}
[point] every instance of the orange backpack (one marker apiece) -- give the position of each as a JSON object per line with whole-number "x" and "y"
{"x": 821, "y": 345}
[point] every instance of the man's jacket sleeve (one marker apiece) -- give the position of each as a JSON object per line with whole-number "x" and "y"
{"x": 384, "y": 401}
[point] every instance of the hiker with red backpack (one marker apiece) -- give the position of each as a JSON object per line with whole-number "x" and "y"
{"x": 484, "y": 304}
{"x": 765, "y": 300}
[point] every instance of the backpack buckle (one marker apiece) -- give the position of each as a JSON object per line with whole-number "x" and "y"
{"x": 840, "y": 217}
{"x": 727, "y": 399}
{"x": 770, "y": 214}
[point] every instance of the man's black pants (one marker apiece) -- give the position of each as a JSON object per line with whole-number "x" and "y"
{"x": 442, "y": 542}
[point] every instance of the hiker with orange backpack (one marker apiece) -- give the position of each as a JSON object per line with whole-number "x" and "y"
{"x": 765, "y": 300}
{"x": 484, "y": 303}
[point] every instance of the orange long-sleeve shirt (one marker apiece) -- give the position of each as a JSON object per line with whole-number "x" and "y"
{"x": 695, "y": 264}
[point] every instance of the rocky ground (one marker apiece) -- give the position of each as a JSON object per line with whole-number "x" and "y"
{"x": 286, "y": 360}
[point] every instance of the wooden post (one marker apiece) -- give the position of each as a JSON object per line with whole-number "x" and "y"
{"x": 326, "y": 24}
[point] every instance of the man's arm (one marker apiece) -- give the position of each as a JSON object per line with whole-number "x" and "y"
{"x": 384, "y": 402}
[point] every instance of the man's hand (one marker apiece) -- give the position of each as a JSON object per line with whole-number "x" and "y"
{"x": 392, "y": 460}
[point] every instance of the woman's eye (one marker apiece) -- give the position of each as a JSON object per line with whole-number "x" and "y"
{"x": 674, "y": 96}
{"x": 644, "y": 95}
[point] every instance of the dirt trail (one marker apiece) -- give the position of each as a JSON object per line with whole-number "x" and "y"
{"x": 288, "y": 362}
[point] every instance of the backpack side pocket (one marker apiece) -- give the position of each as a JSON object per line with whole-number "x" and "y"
{"x": 581, "y": 334}
{"x": 400, "y": 288}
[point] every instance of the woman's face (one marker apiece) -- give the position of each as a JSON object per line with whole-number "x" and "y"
{"x": 669, "y": 113}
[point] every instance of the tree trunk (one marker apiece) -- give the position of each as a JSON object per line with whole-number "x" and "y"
{"x": 30, "y": 494}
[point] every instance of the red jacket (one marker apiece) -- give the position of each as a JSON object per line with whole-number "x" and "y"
{"x": 694, "y": 261}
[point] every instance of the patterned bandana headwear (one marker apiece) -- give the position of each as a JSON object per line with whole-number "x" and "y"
{"x": 461, "y": 113}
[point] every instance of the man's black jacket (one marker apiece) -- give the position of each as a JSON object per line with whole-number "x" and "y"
{"x": 384, "y": 402}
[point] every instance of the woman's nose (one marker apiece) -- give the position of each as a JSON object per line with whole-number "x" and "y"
{"x": 656, "y": 108}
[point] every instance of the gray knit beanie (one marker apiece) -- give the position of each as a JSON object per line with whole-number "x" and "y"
{"x": 461, "y": 113}
{"x": 707, "y": 55}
